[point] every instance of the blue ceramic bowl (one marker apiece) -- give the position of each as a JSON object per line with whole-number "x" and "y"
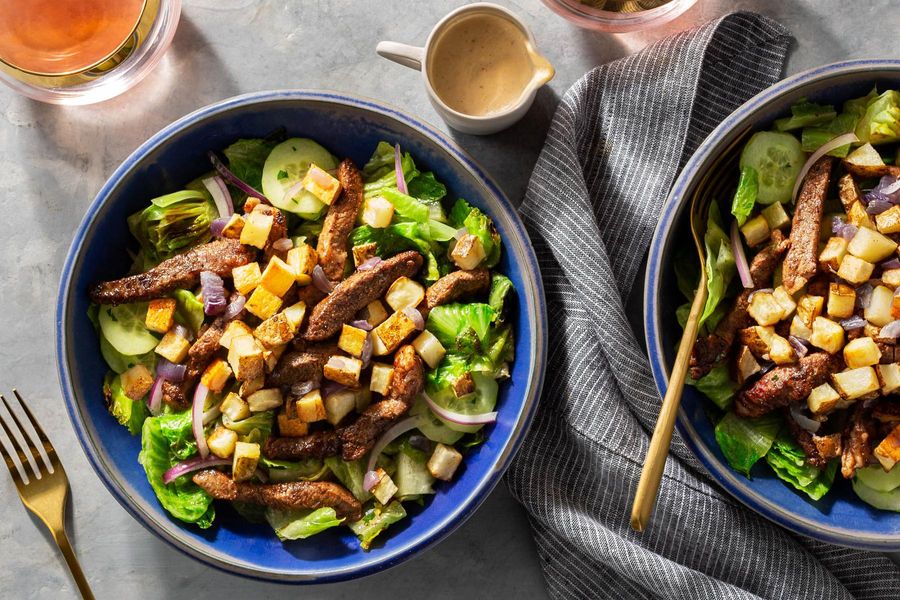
{"x": 840, "y": 517}
{"x": 349, "y": 127}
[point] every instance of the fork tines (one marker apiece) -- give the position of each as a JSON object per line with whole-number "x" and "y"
{"x": 26, "y": 443}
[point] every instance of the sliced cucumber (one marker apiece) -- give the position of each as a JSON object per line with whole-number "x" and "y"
{"x": 286, "y": 165}
{"x": 881, "y": 500}
{"x": 876, "y": 478}
{"x": 777, "y": 158}
{"x": 432, "y": 427}
{"x": 412, "y": 477}
{"x": 124, "y": 329}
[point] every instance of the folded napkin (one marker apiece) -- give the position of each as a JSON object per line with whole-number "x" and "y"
{"x": 617, "y": 142}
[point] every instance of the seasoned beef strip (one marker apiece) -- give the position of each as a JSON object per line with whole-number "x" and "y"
{"x": 339, "y": 221}
{"x": 801, "y": 262}
{"x": 298, "y": 367}
{"x": 857, "y": 440}
{"x": 355, "y": 292}
{"x": 181, "y": 271}
{"x": 455, "y": 285}
{"x": 199, "y": 357}
{"x": 407, "y": 383}
{"x": 786, "y": 385}
{"x": 320, "y": 444}
{"x": 292, "y": 495}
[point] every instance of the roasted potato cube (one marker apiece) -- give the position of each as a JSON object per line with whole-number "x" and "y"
{"x": 888, "y": 451}
{"x": 865, "y": 161}
{"x": 841, "y": 301}
{"x": 394, "y": 331}
{"x": 363, "y": 252}
{"x": 378, "y": 347}
{"x": 246, "y": 457}
{"x": 275, "y": 331}
{"x": 246, "y": 277}
{"x": 295, "y": 314}
{"x": 160, "y": 315}
{"x": 746, "y": 365}
{"x": 173, "y": 347}
{"x": 857, "y": 215}
{"x": 385, "y": 489}
{"x": 253, "y": 384}
{"x": 263, "y": 303}
{"x": 758, "y": 339}
{"x": 235, "y": 407}
{"x": 288, "y": 427}
{"x": 302, "y": 259}
{"x": 855, "y": 270}
{"x": 861, "y": 352}
{"x": 246, "y": 358}
{"x": 265, "y": 399}
{"x": 781, "y": 352}
{"x": 271, "y": 357}
{"x": 429, "y": 348}
{"x": 222, "y": 442}
{"x": 848, "y": 191}
{"x": 888, "y": 377}
{"x": 343, "y": 370}
{"x": 891, "y": 278}
{"x": 799, "y": 329}
{"x": 321, "y": 184}
{"x": 381, "y": 378}
{"x": 756, "y": 231}
{"x": 463, "y": 385}
{"x": 278, "y": 277}
{"x": 374, "y": 313}
{"x": 785, "y": 300}
{"x": 822, "y": 399}
{"x": 775, "y": 216}
{"x": 809, "y": 308}
{"x": 338, "y": 405}
{"x": 878, "y": 312}
{"x": 853, "y": 384}
{"x": 404, "y": 292}
{"x": 468, "y": 252}
{"x": 827, "y": 335}
{"x": 256, "y": 229}
{"x": 310, "y": 407}
{"x": 889, "y": 220}
{"x": 353, "y": 340}
{"x": 232, "y": 330}
{"x": 216, "y": 375}
{"x": 377, "y": 212}
{"x": 833, "y": 254}
{"x": 233, "y": 227}
{"x": 871, "y": 246}
{"x": 137, "y": 381}
{"x": 443, "y": 462}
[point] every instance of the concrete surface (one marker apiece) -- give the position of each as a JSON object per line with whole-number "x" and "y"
{"x": 53, "y": 160}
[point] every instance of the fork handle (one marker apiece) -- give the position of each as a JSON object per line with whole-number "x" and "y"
{"x": 655, "y": 460}
{"x": 62, "y": 540}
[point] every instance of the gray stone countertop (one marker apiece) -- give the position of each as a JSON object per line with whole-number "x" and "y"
{"x": 53, "y": 160}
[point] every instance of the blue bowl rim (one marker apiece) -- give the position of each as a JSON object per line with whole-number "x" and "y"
{"x": 530, "y": 271}
{"x": 727, "y": 478}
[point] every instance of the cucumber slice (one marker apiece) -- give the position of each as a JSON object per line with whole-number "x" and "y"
{"x": 777, "y": 158}
{"x": 876, "y": 478}
{"x": 286, "y": 165}
{"x": 124, "y": 329}
{"x": 881, "y": 500}
{"x": 432, "y": 427}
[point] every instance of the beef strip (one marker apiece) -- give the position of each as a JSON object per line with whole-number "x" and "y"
{"x": 887, "y": 410}
{"x": 456, "y": 285}
{"x": 857, "y": 440}
{"x": 712, "y": 349}
{"x": 199, "y": 356}
{"x": 407, "y": 383}
{"x": 181, "y": 271}
{"x": 292, "y": 495}
{"x": 786, "y": 385}
{"x": 320, "y": 444}
{"x": 302, "y": 366}
{"x": 355, "y": 292}
{"x": 801, "y": 262}
{"x": 339, "y": 221}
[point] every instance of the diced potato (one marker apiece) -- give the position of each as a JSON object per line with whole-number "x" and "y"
{"x": 429, "y": 348}
{"x": 827, "y": 335}
{"x": 353, "y": 340}
{"x": 321, "y": 184}
{"x": 363, "y": 252}
{"x": 858, "y": 216}
{"x": 271, "y": 357}
{"x": 891, "y": 278}
{"x": 233, "y": 227}
{"x": 463, "y": 385}
{"x": 275, "y": 331}
{"x": 889, "y": 220}
{"x": 781, "y": 352}
{"x": 878, "y": 312}
{"x": 871, "y": 246}
{"x": 232, "y": 330}
{"x": 888, "y": 451}
{"x": 235, "y": 407}
{"x": 288, "y": 427}
{"x": 841, "y": 301}
{"x": 246, "y": 277}
{"x": 246, "y": 457}
{"x": 394, "y": 330}
{"x": 251, "y": 203}
{"x": 756, "y": 231}
{"x": 246, "y": 358}
{"x": 222, "y": 442}
{"x": 871, "y": 331}
{"x": 856, "y": 383}
{"x": 295, "y": 314}
{"x": 377, "y": 212}
{"x": 785, "y": 300}
{"x": 263, "y": 303}
{"x": 443, "y": 462}
{"x": 302, "y": 259}
{"x": 746, "y": 365}
{"x": 216, "y": 375}
{"x": 385, "y": 489}
{"x": 799, "y": 329}
{"x": 855, "y": 270}
{"x": 338, "y": 405}
{"x": 256, "y": 229}
{"x": 833, "y": 254}
{"x": 173, "y": 347}
{"x": 861, "y": 352}
{"x": 468, "y": 252}
{"x": 809, "y": 308}
{"x": 310, "y": 407}
{"x": 404, "y": 292}
{"x": 822, "y": 399}
{"x": 888, "y": 377}
{"x": 374, "y": 313}
{"x": 848, "y": 191}
{"x": 137, "y": 381}
{"x": 775, "y": 216}
{"x": 378, "y": 347}
{"x": 758, "y": 338}
{"x": 253, "y": 384}
{"x": 160, "y": 315}
{"x": 381, "y": 378}
{"x": 343, "y": 369}
{"x": 265, "y": 399}
{"x": 278, "y": 277}
{"x": 363, "y": 398}
{"x": 865, "y": 161}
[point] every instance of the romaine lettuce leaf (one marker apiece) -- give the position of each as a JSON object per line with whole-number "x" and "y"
{"x": 745, "y": 441}
{"x": 380, "y": 172}
{"x": 745, "y": 195}
{"x": 246, "y": 159}
{"x": 881, "y": 122}
{"x": 310, "y": 469}
{"x": 426, "y": 188}
{"x": 376, "y": 519}
{"x": 717, "y": 386}
{"x": 128, "y": 412}
{"x": 255, "y": 428}
{"x": 404, "y": 236}
{"x": 188, "y": 310}
{"x": 301, "y": 524}
{"x": 406, "y": 206}
{"x": 720, "y": 266}
{"x": 501, "y": 286}
{"x": 480, "y": 225}
{"x": 788, "y": 461}
{"x": 805, "y": 114}
{"x": 461, "y": 328}
{"x": 351, "y": 474}
{"x": 173, "y": 223}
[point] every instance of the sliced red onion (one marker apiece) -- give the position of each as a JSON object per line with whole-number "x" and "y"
{"x": 841, "y": 140}
{"x": 182, "y": 331}
{"x": 765, "y": 366}
{"x": 366, "y": 355}
{"x": 282, "y": 245}
{"x": 302, "y": 389}
{"x": 740, "y": 259}
{"x": 211, "y": 415}
{"x": 389, "y": 436}
{"x": 193, "y": 464}
{"x": 854, "y": 322}
{"x": 889, "y": 265}
{"x": 460, "y": 233}
{"x": 361, "y": 324}
{"x": 369, "y": 263}
{"x": 233, "y": 179}
{"x": 320, "y": 280}
{"x": 217, "y": 226}
{"x": 170, "y": 371}
{"x": 331, "y": 387}
{"x": 235, "y": 307}
{"x": 760, "y": 290}
{"x": 197, "y": 408}
{"x": 889, "y": 186}
{"x": 864, "y": 295}
{"x": 877, "y": 206}
{"x": 890, "y": 331}
{"x": 798, "y": 345}
{"x": 154, "y": 401}
{"x": 213, "y": 289}
{"x": 398, "y": 169}
{"x": 220, "y": 195}
{"x": 848, "y": 231}
{"x": 370, "y": 480}
{"x": 292, "y": 191}
{"x": 415, "y": 316}
{"x": 810, "y": 425}
{"x": 459, "y": 418}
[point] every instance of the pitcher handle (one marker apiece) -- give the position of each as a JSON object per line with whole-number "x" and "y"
{"x": 402, "y": 54}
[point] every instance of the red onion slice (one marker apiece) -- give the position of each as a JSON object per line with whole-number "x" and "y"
{"x": 320, "y": 280}
{"x": 415, "y": 316}
{"x": 235, "y": 307}
{"x": 217, "y": 226}
{"x": 841, "y": 140}
{"x": 233, "y": 179}
{"x": 292, "y": 191}
{"x": 459, "y": 418}
{"x": 740, "y": 259}
{"x": 890, "y": 331}
{"x": 366, "y": 355}
{"x": 877, "y": 206}
{"x": 854, "y": 322}
{"x": 369, "y": 263}
{"x": 193, "y": 464}
{"x": 301, "y": 389}
{"x": 170, "y": 371}
{"x": 398, "y": 169}
{"x": 389, "y": 436}
{"x": 810, "y": 425}
{"x": 220, "y": 195}
{"x": 197, "y": 408}
{"x": 370, "y": 480}
{"x": 889, "y": 265}
{"x": 213, "y": 289}
{"x": 760, "y": 290}
{"x": 889, "y": 185}
{"x": 331, "y": 387}
{"x": 864, "y": 295}
{"x": 282, "y": 245}
{"x": 154, "y": 401}
{"x": 798, "y": 345}
{"x": 361, "y": 324}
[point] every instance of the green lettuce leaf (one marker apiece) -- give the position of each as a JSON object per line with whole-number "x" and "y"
{"x": 745, "y": 441}
{"x": 480, "y": 225}
{"x": 350, "y": 474}
{"x": 173, "y": 224}
{"x": 376, "y": 519}
{"x": 745, "y": 195}
{"x": 301, "y": 524}
{"x": 310, "y": 469}
{"x": 788, "y": 461}
{"x": 461, "y": 328}
{"x": 717, "y": 386}
{"x": 188, "y": 310}
{"x": 881, "y": 122}
{"x": 128, "y": 412}
{"x": 405, "y": 236}
{"x": 406, "y": 206}
{"x": 720, "y": 267}
{"x": 380, "y": 172}
{"x": 805, "y": 114}
{"x": 426, "y": 188}
{"x": 501, "y": 286}
{"x": 255, "y": 428}
{"x": 246, "y": 159}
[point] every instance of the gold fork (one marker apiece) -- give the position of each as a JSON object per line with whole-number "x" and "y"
{"x": 45, "y": 490}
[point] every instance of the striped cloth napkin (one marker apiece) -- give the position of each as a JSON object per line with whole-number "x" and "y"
{"x": 618, "y": 140}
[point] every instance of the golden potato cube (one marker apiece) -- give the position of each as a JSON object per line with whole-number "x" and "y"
{"x": 233, "y": 227}
{"x": 756, "y": 231}
{"x": 257, "y": 227}
{"x": 758, "y": 338}
{"x": 878, "y": 312}
{"x": 338, "y": 405}
{"x": 263, "y": 303}
{"x": 841, "y": 301}
{"x": 378, "y": 347}
{"x": 246, "y": 457}
{"x": 864, "y": 161}
{"x": 222, "y": 442}
{"x": 160, "y": 315}
{"x": 468, "y": 252}
{"x": 429, "y": 348}
{"x": 253, "y": 384}
{"x": 809, "y": 308}
{"x": 889, "y": 220}
{"x": 173, "y": 347}
{"x": 265, "y": 399}
{"x": 363, "y": 252}
{"x": 861, "y": 352}
{"x": 295, "y": 314}
{"x": 891, "y": 278}
{"x": 443, "y": 462}
{"x": 888, "y": 377}
{"x": 343, "y": 369}
{"x": 234, "y": 407}
{"x": 822, "y": 399}
{"x": 871, "y": 246}
{"x": 271, "y": 357}
{"x": 385, "y": 489}
{"x": 785, "y": 300}
{"x": 858, "y": 216}
{"x": 382, "y": 374}
{"x": 274, "y": 331}
{"x": 246, "y": 277}
{"x": 288, "y": 427}
{"x": 246, "y": 357}
{"x": 377, "y": 212}
{"x": 232, "y": 330}
{"x": 353, "y": 340}
{"x": 216, "y": 375}
{"x": 302, "y": 259}
{"x": 888, "y": 451}
{"x": 853, "y": 384}
{"x": 799, "y": 329}
{"x": 855, "y": 270}
{"x": 827, "y": 335}
{"x": 404, "y": 292}
{"x": 394, "y": 331}
{"x": 374, "y": 313}
{"x": 781, "y": 351}
{"x": 278, "y": 277}
{"x": 746, "y": 365}
{"x": 321, "y": 184}
{"x": 137, "y": 381}
{"x": 848, "y": 191}
{"x": 833, "y": 254}
{"x": 310, "y": 407}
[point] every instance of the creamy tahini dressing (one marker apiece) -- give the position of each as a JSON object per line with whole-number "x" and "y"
{"x": 482, "y": 64}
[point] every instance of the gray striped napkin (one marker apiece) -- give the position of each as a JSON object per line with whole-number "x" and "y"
{"x": 618, "y": 139}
